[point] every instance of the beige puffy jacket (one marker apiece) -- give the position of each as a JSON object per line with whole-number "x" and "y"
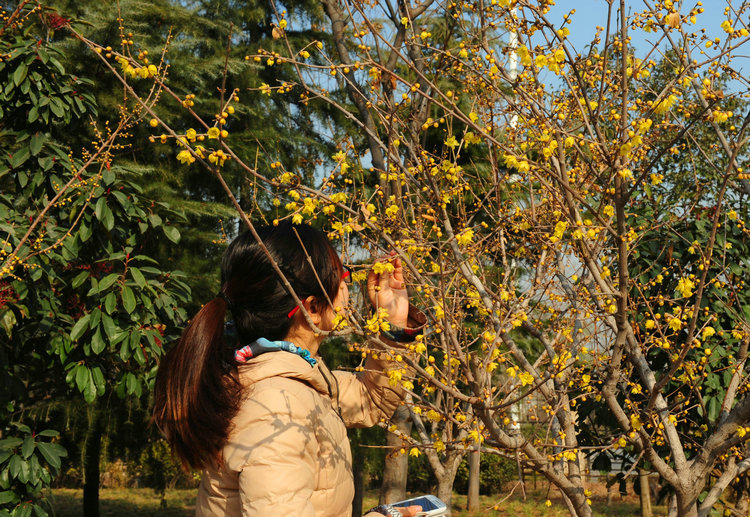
{"x": 288, "y": 454}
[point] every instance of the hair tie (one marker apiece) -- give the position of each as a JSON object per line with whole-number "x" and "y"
{"x": 223, "y": 296}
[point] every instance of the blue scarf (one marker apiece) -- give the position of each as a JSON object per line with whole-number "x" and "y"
{"x": 263, "y": 345}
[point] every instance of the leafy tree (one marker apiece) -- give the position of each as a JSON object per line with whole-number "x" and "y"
{"x": 84, "y": 311}
{"x": 202, "y": 47}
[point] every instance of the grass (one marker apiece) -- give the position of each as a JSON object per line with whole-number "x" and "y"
{"x": 125, "y": 502}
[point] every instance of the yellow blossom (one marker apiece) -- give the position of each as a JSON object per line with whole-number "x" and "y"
{"x": 665, "y": 105}
{"x": 525, "y": 378}
{"x": 685, "y": 287}
{"x": 433, "y": 416}
{"x": 185, "y": 156}
{"x": 465, "y": 237}
{"x": 213, "y": 133}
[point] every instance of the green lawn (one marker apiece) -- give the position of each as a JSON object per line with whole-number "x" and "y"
{"x": 181, "y": 503}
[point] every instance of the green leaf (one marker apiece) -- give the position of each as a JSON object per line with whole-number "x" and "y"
{"x": 98, "y": 380}
{"x": 96, "y": 315}
{"x": 108, "y": 176}
{"x": 80, "y": 327}
{"x": 56, "y": 109}
{"x": 10, "y": 443}
{"x": 50, "y": 453}
{"x": 109, "y": 326}
{"x": 8, "y": 497}
{"x": 128, "y": 299}
{"x": 50, "y": 433}
{"x": 27, "y": 449}
{"x": 24, "y": 510}
{"x": 110, "y": 303}
{"x": 138, "y": 277}
{"x": 15, "y": 462}
{"x": 43, "y": 55}
{"x": 79, "y": 279}
{"x": 101, "y": 204}
{"x": 83, "y": 378}
{"x": 97, "y": 343}
{"x": 33, "y": 114}
{"x": 20, "y": 73}
{"x": 85, "y": 233}
{"x": 713, "y": 408}
{"x": 20, "y": 156}
{"x": 40, "y": 511}
{"x": 57, "y": 65}
{"x": 109, "y": 219}
{"x": 154, "y": 219}
{"x": 172, "y": 233}
{"x": 132, "y": 383}
{"x": 37, "y": 141}
{"x": 107, "y": 281}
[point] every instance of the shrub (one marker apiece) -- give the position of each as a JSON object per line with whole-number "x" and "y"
{"x": 494, "y": 472}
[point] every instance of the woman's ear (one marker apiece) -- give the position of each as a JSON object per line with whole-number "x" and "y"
{"x": 313, "y": 309}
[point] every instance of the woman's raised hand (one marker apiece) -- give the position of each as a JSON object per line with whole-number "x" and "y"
{"x": 387, "y": 290}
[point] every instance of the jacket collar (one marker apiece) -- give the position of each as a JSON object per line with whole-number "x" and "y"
{"x": 288, "y": 365}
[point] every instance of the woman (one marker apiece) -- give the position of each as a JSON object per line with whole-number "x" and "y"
{"x": 260, "y": 413}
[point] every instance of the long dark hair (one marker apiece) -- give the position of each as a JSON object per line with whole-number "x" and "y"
{"x": 197, "y": 392}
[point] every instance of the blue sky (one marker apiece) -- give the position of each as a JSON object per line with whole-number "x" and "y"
{"x": 590, "y": 13}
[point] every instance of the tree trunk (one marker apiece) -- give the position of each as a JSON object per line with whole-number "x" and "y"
{"x": 672, "y": 510}
{"x": 446, "y": 478}
{"x": 472, "y": 498}
{"x": 359, "y": 485}
{"x": 645, "y": 493}
{"x": 743, "y": 504}
{"x": 91, "y": 455}
{"x": 358, "y": 463}
{"x": 396, "y": 465}
{"x": 687, "y": 505}
{"x": 445, "y": 491}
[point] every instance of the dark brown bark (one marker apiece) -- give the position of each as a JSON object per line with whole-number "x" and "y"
{"x": 91, "y": 455}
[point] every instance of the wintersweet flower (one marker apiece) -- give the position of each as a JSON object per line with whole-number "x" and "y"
{"x": 685, "y": 287}
{"x": 185, "y": 157}
{"x": 465, "y": 237}
{"x": 213, "y": 133}
{"x": 665, "y": 105}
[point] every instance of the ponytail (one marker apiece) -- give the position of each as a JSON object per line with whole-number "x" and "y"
{"x": 196, "y": 394}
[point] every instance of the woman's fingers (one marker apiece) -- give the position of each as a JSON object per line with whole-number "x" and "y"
{"x": 397, "y": 276}
{"x": 410, "y": 511}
